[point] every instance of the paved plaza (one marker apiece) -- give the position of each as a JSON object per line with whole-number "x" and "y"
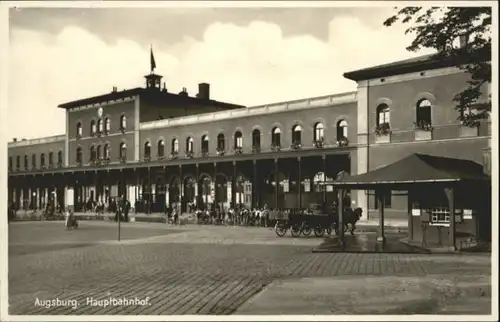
{"x": 227, "y": 270}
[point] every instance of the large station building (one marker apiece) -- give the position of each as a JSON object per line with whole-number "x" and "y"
{"x": 159, "y": 148}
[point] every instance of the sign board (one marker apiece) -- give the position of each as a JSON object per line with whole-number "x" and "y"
{"x": 70, "y": 196}
{"x": 467, "y": 213}
{"x": 416, "y": 212}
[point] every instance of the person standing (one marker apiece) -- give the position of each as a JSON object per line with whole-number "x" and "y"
{"x": 126, "y": 209}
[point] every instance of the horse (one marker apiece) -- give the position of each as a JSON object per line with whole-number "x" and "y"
{"x": 350, "y": 216}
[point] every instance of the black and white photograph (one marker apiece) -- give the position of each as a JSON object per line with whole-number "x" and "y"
{"x": 253, "y": 160}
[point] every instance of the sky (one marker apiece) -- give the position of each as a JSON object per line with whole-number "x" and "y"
{"x": 250, "y": 56}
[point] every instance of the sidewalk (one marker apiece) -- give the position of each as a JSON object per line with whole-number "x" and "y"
{"x": 373, "y": 295}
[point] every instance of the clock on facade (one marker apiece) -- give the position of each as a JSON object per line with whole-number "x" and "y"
{"x": 99, "y": 111}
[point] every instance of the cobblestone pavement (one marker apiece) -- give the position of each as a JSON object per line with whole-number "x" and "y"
{"x": 185, "y": 270}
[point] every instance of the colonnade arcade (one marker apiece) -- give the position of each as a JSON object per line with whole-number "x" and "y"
{"x": 294, "y": 182}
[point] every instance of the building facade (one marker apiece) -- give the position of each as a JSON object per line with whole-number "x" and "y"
{"x": 158, "y": 148}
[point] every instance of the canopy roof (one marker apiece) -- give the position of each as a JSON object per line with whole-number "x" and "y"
{"x": 418, "y": 168}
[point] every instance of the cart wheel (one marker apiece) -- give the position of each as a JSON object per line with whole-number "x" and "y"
{"x": 319, "y": 232}
{"x": 295, "y": 231}
{"x": 280, "y": 231}
{"x": 346, "y": 228}
{"x": 329, "y": 231}
{"x": 307, "y": 231}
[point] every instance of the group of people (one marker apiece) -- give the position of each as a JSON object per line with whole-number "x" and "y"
{"x": 235, "y": 216}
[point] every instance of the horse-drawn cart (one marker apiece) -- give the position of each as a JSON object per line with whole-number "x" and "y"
{"x": 305, "y": 222}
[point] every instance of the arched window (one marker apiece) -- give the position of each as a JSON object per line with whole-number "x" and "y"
{"x": 42, "y": 160}
{"x": 238, "y": 140}
{"x": 276, "y": 136}
{"x": 297, "y": 134}
{"x": 204, "y": 143}
{"x": 59, "y": 158}
{"x": 79, "y": 131}
{"x": 256, "y": 139}
{"x": 123, "y": 122}
{"x": 33, "y": 161}
{"x": 99, "y": 126}
{"x": 161, "y": 148}
{"x": 79, "y": 156}
{"x": 51, "y": 159}
{"x": 106, "y": 152}
{"x": 175, "y": 146}
{"x": 383, "y": 114}
{"x": 98, "y": 153}
{"x": 92, "y": 153}
{"x": 341, "y": 130}
{"x": 107, "y": 125}
{"x": 26, "y": 162}
{"x": 221, "y": 142}
{"x": 147, "y": 149}
{"x": 189, "y": 144}
{"x": 424, "y": 114}
{"x": 319, "y": 132}
{"x": 93, "y": 128}
{"x": 123, "y": 150}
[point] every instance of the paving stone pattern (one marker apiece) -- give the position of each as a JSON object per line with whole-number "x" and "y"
{"x": 200, "y": 270}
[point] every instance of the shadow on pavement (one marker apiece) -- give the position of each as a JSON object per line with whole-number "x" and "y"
{"x": 367, "y": 243}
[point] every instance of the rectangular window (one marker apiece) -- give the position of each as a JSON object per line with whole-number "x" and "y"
{"x": 440, "y": 215}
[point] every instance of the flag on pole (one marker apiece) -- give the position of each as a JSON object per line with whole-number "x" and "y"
{"x": 153, "y": 63}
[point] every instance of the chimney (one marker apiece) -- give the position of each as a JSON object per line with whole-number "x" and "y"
{"x": 115, "y": 89}
{"x": 184, "y": 92}
{"x": 14, "y": 140}
{"x": 203, "y": 91}
{"x": 164, "y": 87}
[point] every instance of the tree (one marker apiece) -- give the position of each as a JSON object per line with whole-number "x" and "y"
{"x": 438, "y": 28}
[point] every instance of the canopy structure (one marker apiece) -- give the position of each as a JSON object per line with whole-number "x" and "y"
{"x": 416, "y": 168}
